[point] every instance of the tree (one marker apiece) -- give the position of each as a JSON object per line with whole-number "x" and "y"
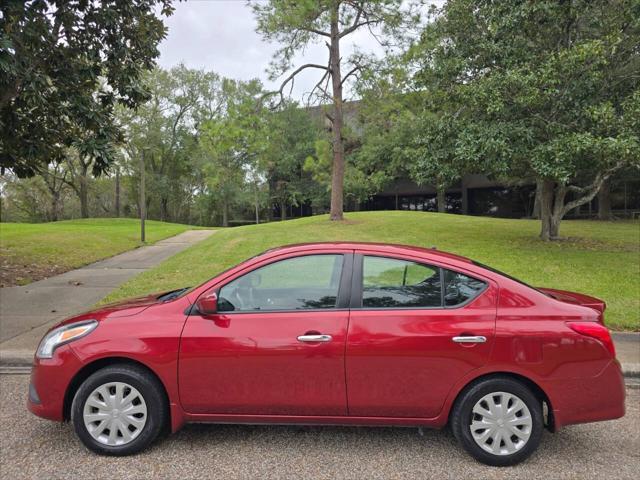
{"x": 55, "y": 178}
{"x": 78, "y": 167}
{"x": 408, "y": 131}
{"x": 165, "y": 128}
{"x": 63, "y": 68}
{"x": 546, "y": 89}
{"x": 296, "y": 24}
{"x": 290, "y": 135}
{"x": 230, "y": 144}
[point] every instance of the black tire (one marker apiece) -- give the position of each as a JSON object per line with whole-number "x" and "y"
{"x": 150, "y": 389}
{"x": 462, "y": 414}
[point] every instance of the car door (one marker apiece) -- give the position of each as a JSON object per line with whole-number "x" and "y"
{"x": 414, "y": 330}
{"x": 276, "y": 344}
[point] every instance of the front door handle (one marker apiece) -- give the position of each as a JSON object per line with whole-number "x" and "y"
{"x": 314, "y": 338}
{"x": 470, "y": 339}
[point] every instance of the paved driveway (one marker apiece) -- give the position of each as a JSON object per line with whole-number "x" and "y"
{"x": 35, "y": 448}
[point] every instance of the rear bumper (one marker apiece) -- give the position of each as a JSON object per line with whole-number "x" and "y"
{"x": 49, "y": 381}
{"x": 584, "y": 400}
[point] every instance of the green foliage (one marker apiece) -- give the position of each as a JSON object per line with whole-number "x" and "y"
{"x": 230, "y": 144}
{"x": 290, "y": 137}
{"x": 545, "y": 89}
{"x": 63, "y": 68}
{"x": 164, "y": 129}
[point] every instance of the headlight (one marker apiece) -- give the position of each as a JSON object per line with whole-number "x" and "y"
{"x": 62, "y": 335}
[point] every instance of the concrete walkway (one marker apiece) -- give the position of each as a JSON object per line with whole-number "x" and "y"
{"x": 27, "y": 312}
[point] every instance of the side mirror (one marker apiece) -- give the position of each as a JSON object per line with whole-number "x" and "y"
{"x": 207, "y": 304}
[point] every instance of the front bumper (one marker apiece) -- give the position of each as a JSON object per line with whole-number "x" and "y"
{"x": 50, "y": 379}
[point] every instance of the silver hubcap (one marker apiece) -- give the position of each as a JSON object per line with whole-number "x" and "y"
{"x": 501, "y": 423}
{"x": 115, "y": 413}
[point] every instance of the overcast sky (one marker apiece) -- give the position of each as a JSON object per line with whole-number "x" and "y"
{"x": 219, "y": 35}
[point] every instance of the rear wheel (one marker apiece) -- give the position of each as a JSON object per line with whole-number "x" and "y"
{"x": 119, "y": 410}
{"x": 498, "y": 420}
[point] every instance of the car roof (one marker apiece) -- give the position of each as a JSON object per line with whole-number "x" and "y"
{"x": 376, "y": 246}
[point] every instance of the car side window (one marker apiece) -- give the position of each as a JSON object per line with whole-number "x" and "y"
{"x": 299, "y": 283}
{"x": 394, "y": 283}
{"x": 460, "y": 288}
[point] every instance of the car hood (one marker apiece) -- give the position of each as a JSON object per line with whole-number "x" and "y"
{"x": 129, "y": 306}
{"x": 119, "y": 309}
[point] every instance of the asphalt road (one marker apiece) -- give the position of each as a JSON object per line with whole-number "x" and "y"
{"x": 35, "y": 448}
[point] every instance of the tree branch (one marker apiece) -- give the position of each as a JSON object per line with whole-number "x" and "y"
{"x": 351, "y": 72}
{"x": 355, "y": 25}
{"x": 592, "y": 190}
{"x": 317, "y": 32}
{"x": 290, "y": 78}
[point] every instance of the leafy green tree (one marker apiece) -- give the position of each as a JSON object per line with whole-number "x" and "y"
{"x": 547, "y": 89}
{"x": 290, "y": 135}
{"x": 164, "y": 130}
{"x": 296, "y": 24}
{"x": 64, "y": 65}
{"x": 406, "y": 132}
{"x": 230, "y": 144}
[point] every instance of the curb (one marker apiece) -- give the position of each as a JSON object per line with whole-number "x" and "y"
{"x": 631, "y": 370}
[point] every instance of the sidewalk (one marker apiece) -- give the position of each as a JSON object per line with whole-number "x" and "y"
{"x": 27, "y": 312}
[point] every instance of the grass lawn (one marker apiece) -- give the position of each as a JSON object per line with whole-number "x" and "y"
{"x": 597, "y": 258}
{"x": 32, "y": 251}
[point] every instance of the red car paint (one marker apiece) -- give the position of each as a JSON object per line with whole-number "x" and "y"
{"x": 383, "y": 367}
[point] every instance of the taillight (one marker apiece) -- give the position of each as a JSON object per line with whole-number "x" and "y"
{"x": 597, "y": 331}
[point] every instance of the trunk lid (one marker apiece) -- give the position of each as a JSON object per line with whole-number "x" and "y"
{"x": 577, "y": 299}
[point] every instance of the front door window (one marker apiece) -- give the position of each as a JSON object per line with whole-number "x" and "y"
{"x": 300, "y": 283}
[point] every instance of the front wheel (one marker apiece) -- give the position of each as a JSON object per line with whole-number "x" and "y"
{"x": 119, "y": 410}
{"x": 498, "y": 421}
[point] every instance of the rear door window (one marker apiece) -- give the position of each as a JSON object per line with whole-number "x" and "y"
{"x": 394, "y": 283}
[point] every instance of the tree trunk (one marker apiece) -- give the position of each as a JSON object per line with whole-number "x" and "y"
{"x": 55, "y": 206}
{"x": 84, "y": 196}
{"x": 117, "y": 200}
{"x": 283, "y": 210}
{"x": 536, "y": 201}
{"x": 604, "y": 201}
{"x": 337, "y": 174}
{"x": 164, "y": 208}
{"x": 225, "y": 214}
{"x": 441, "y": 200}
{"x": 548, "y": 231}
{"x": 257, "y": 206}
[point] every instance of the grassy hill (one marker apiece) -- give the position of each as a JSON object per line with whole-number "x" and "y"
{"x": 598, "y": 258}
{"x": 32, "y": 251}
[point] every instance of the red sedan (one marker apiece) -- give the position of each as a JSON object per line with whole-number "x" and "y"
{"x": 337, "y": 333}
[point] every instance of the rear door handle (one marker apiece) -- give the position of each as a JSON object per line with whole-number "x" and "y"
{"x": 314, "y": 338}
{"x": 470, "y": 339}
